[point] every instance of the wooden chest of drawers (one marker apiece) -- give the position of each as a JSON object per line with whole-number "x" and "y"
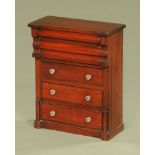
{"x": 78, "y": 76}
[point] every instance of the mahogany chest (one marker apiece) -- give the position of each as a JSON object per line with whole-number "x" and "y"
{"x": 78, "y": 75}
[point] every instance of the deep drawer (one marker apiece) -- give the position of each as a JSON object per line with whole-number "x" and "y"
{"x": 52, "y": 70}
{"x": 77, "y": 116}
{"x": 71, "y": 94}
{"x": 69, "y": 46}
{"x": 65, "y": 35}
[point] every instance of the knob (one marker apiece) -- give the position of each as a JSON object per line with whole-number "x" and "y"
{"x": 51, "y": 71}
{"x": 88, "y": 77}
{"x": 87, "y": 98}
{"x": 52, "y": 113}
{"x": 88, "y": 119}
{"x": 52, "y": 92}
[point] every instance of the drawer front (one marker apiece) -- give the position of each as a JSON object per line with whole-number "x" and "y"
{"x": 90, "y": 38}
{"x": 71, "y": 94}
{"x": 52, "y": 70}
{"x": 70, "y": 57}
{"x": 69, "y": 46}
{"x": 77, "y": 116}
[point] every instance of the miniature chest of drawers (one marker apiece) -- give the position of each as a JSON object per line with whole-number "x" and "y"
{"x": 78, "y": 76}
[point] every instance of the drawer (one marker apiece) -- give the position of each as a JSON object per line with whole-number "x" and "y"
{"x": 65, "y": 35}
{"x": 69, "y": 46}
{"x": 65, "y": 72}
{"x": 71, "y": 57}
{"x": 71, "y": 94}
{"x": 71, "y": 115}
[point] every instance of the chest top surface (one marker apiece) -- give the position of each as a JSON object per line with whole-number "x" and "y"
{"x": 77, "y": 25}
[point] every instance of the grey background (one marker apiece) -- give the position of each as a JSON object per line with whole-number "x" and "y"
{"x": 30, "y": 141}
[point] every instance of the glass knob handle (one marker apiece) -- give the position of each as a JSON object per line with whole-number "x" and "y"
{"x": 52, "y": 71}
{"x": 88, "y": 77}
{"x": 88, "y": 119}
{"x": 52, "y": 113}
{"x": 52, "y": 92}
{"x": 87, "y": 98}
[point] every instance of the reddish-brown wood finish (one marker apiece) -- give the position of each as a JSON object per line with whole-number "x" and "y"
{"x": 115, "y": 76}
{"x": 73, "y": 73}
{"x": 67, "y": 35}
{"x": 75, "y": 48}
{"x": 64, "y": 93}
{"x": 70, "y": 128}
{"x": 76, "y": 25}
{"x": 69, "y": 57}
{"x": 69, "y": 46}
{"x": 38, "y": 88}
{"x": 71, "y": 115}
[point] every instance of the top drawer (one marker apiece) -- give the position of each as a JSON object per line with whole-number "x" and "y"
{"x": 75, "y": 36}
{"x": 59, "y": 71}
